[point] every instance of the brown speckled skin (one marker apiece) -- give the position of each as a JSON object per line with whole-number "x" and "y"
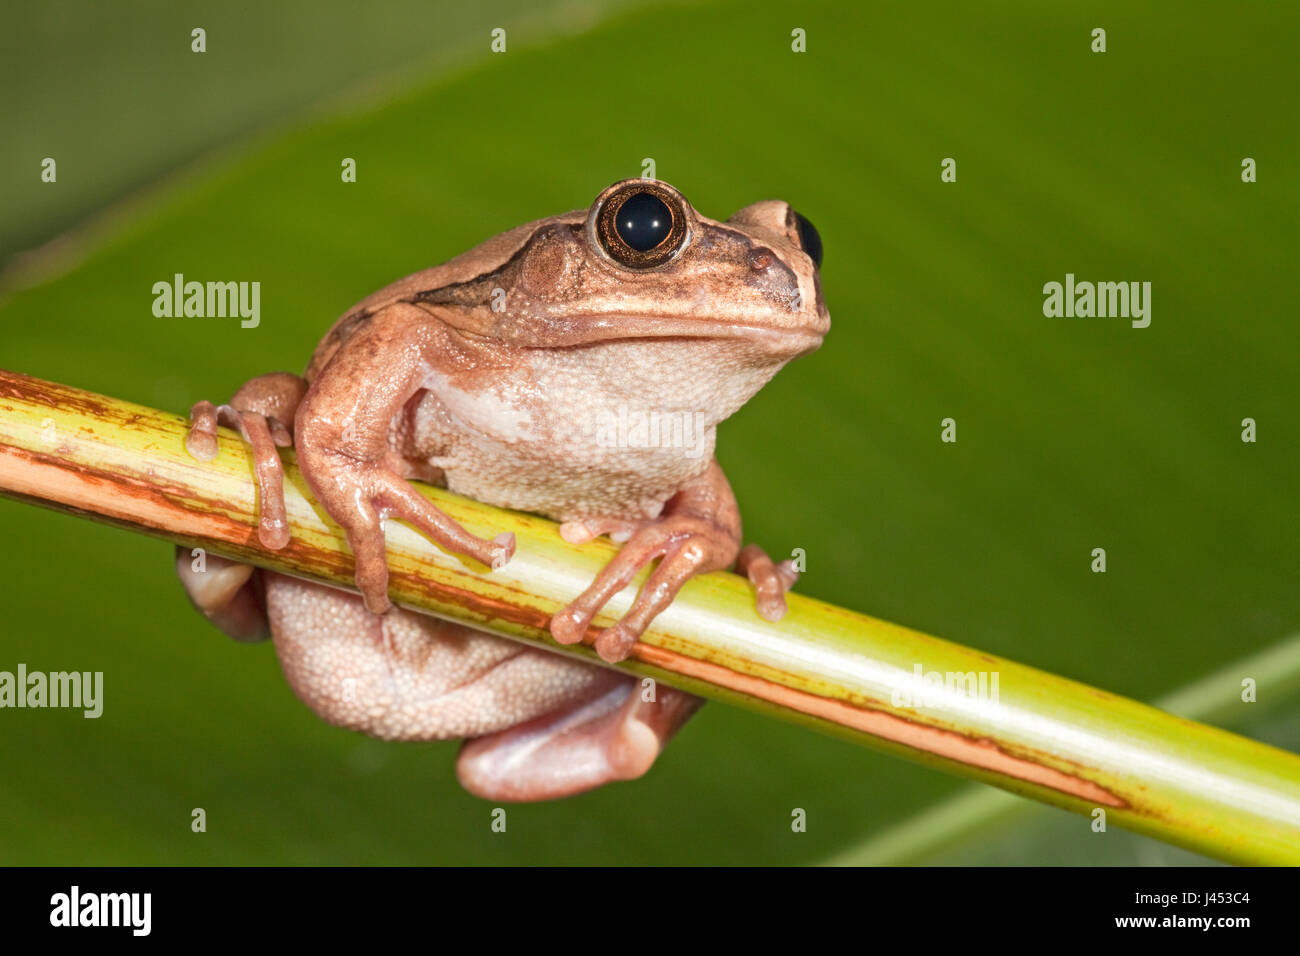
{"x": 493, "y": 375}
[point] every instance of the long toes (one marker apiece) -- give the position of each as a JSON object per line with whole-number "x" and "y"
{"x": 201, "y": 439}
{"x": 769, "y": 592}
{"x": 280, "y": 434}
{"x": 504, "y": 550}
{"x": 616, "y": 736}
{"x": 586, "y": 529}
{"x": 570, "y": 625}
{"x": 615, "y": 643}
{"x": 771, "y": 607}
{"x": 273, "y": 525}
{"x": 407, "y": 504}
{"x": 370, "y": 556}
{"x": 770, "y": 581}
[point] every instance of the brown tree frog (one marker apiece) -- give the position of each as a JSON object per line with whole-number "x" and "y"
{"x": 498, "y": 375}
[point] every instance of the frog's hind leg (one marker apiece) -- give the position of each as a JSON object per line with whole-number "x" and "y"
{"x": 616, "y": 735}
{"x": 540, "y": 725}
{"x": 263, "y": 411}
{"x": 228, "y": 594}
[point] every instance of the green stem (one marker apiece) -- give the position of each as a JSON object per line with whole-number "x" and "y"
{"x": 977, "y": 811}
{"x": 1032, "y": 733}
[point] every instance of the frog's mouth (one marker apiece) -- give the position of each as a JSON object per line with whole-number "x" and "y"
{"x": 779, "y": 342}
{"x": 790, "y": 341}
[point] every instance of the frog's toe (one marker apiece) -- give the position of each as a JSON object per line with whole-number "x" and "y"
{"x": 582, "y": 530}
{"x": 614, "y": 736}
{"x": 201, "y": 439}
{"x": 226, "y": 592}
{"x": 359, "y": 496}
{"x": 770, "y": 580}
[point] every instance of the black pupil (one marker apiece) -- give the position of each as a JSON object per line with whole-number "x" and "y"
{"x": 810, "y": 239}
{"x": 643, "y": 221}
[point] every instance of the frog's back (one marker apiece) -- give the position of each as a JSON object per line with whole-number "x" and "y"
{"x": 464, "y": 269}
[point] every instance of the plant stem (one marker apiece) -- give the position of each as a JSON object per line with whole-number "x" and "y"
{"x": 1035, "y": 734}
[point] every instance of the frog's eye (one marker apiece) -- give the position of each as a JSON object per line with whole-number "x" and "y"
{"x": 643, "y": 221}
{"x": 642, "y": 226}
{"x": 810, "y": 240}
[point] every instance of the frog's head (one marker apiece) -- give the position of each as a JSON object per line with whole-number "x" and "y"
{"x": 641, "y": 263}
{"x": 755, "y": 276}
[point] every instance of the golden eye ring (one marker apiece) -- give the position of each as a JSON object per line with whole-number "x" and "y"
{"x": 642, "y": 225}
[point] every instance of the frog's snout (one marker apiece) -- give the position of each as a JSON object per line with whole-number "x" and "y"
{"x": 773, "y": 217}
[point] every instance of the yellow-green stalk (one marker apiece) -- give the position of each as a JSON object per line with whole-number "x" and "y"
{"x": 1029, "y": 732}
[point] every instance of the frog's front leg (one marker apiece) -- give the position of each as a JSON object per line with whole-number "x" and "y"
{"x": 342, "y": 435}
{"x": 698, "y": 531}
{"x": 262, "y": 410}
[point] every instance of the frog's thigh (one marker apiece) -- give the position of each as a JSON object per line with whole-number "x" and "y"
{"x": 407, "y": 676}
{"x": 546, "y": 726}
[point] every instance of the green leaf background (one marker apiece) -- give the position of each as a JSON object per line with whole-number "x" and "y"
{"x": 1072, "y": 433}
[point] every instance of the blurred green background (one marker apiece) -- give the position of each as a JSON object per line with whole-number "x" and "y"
{"x": 1072, "y": 433}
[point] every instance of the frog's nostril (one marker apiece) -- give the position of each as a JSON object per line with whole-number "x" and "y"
{"x": 810, "y": 239}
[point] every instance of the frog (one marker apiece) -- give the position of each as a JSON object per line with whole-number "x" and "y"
{"x": 501, "y": 375}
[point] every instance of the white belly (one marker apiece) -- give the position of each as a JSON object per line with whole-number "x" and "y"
{"x": 610, "y": 430}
